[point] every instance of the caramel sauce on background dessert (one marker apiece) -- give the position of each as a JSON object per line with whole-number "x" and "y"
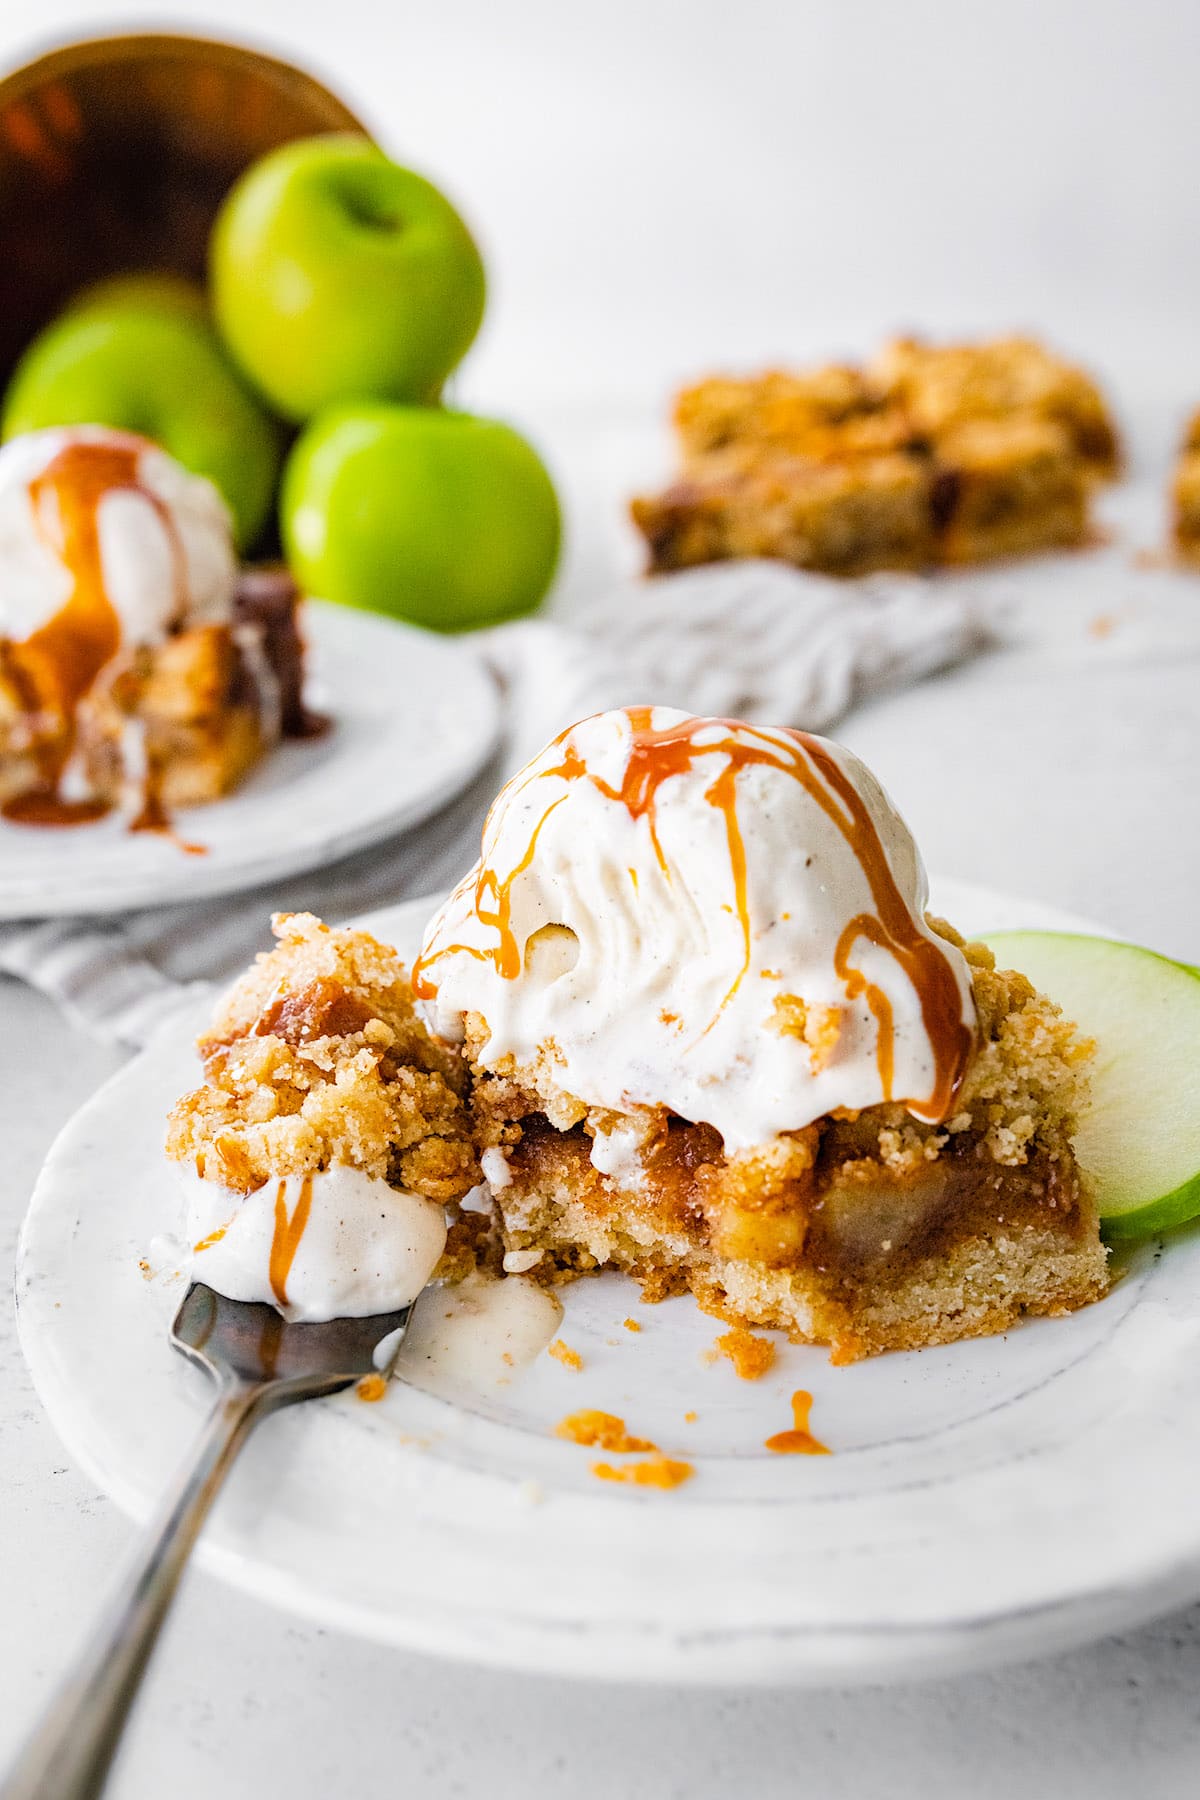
{"x": 58, "y": 663}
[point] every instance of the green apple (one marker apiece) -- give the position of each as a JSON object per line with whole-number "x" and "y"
{"x": 1139, "y": 1137}
{"x": 157, "y": 371}
{"x": 151, "y": 290}
{"x": 336, "y": 275}
{"x": 437, "y": 517}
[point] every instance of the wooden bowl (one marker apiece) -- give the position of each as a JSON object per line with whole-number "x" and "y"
{"x": 115, "y": 154}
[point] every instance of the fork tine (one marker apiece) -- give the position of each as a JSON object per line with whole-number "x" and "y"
{"x": 254, "y": 1343}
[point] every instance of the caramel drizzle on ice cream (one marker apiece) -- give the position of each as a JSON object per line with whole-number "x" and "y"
{"x": 657, "y": 756}
{"x": 289, "y": 1229}
{"x": 58, "y": 663}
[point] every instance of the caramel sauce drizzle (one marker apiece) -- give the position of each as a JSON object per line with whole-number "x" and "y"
{"x": 493, "y": 905}
{"x": 289, "y": 1229}
{"x": 153, "y": 817}
{"x": 799, "y": 1441}
{"x": 656, "y": 756}
{"x": 58, "y": 663}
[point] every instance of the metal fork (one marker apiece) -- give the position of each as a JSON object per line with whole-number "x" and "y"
{"x": 259, "y": 1363}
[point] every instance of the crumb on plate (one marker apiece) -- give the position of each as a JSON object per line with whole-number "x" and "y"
{"x": 600, "y": 1431}
{"x": 751, "y": 1356}
{"x": 656, "y": 1472}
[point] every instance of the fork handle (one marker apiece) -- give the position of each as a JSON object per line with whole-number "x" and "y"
{"x": 69, "y": 1754}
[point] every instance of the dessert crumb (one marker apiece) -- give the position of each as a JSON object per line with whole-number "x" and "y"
{"x": 751, "y": 1356}
{"x": 147, "y": 1271}
{"x": 818, "y": 1027}
{"x": 655, "y": 1472}
{"x": 1102, "y": 626}
{"x": 563, "y": 1353}
{"x": 600, "y": 1431}
{"x": 632, "y": 1325}
{"x": 689, "y": 1418}
{"x": 371, "y": 1387}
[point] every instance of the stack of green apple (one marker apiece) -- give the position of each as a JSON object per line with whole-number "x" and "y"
{"x": 344, "y": 290}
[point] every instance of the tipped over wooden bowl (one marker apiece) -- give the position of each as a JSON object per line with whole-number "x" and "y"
{"x": 115, "y": 154}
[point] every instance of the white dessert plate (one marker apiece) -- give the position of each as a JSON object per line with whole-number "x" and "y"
{"x": 984, "y": 1501}
{"x": 414, "y": 717}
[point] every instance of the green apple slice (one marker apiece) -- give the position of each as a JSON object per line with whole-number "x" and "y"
{"x": 1139, "y": 1139}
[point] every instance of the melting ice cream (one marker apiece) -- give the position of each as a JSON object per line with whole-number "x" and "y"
{"x": 719, "y": 919}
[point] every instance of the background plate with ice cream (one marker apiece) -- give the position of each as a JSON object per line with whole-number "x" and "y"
{"x": 987, "y": 1500}
{"x": 414, "y": 717}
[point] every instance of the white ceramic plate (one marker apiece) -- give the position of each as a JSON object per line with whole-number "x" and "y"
{"x": 984, "y": 1501}
{"x": 415, "y": 716}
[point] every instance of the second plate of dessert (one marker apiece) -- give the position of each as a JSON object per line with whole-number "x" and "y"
{"x": 413, "y": 717}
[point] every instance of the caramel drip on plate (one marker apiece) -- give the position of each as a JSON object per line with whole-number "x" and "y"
{"x": 45, "y": 806}
{"x": 800, "y": 1440}
{"x": 655, "y": 757}
{"x": 289, "y": 1229}
{"x": 58, "y": 663}
{"x": 153, "y": 817}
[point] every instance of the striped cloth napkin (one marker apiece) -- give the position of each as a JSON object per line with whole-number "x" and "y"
{"x": 752, "y": 640}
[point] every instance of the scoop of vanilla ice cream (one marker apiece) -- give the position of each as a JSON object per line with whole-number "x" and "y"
{"x": 166, "y": 545}
{"x": 719, "y": 919}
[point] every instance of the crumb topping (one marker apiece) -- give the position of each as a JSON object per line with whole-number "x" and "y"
{"x": 563, "y": 1353}
{"x": 316, "y": 1057}
{"x": 817, "y": 1026}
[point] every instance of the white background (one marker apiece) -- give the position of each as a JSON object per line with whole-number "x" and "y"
{"x": 662, "y": 188}
{"x": 661, "y": 185}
